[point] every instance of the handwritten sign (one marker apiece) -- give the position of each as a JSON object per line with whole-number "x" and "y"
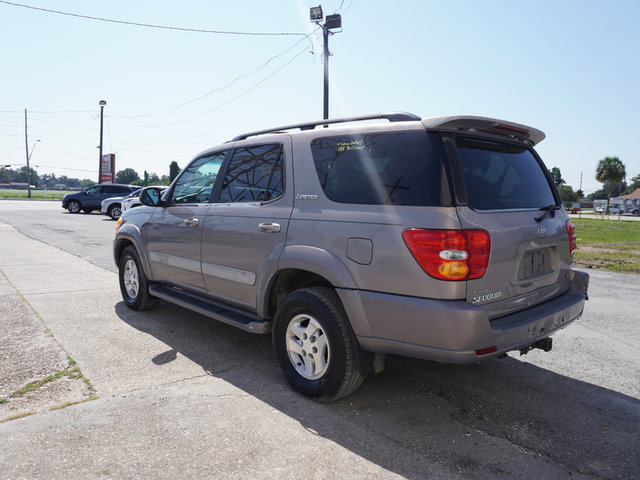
{"x": 347, "y": 146}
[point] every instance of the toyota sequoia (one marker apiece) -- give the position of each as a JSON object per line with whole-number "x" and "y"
{"x": 437, "y": 238}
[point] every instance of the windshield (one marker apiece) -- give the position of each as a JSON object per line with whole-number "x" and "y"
{"x": 503, "y": 176}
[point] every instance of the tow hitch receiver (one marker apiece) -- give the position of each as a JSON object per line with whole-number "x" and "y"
{"x": 544, "y": 344}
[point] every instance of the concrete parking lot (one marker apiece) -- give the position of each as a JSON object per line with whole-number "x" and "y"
{"x": 171, "y": 394}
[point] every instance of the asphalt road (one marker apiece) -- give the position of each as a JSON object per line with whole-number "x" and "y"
{"x": 182, "y": 396}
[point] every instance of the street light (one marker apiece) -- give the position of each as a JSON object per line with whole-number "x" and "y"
{"x": 28, "y": 172}
{"x": 102, "y": 103}
{"x": 332, "y": 22}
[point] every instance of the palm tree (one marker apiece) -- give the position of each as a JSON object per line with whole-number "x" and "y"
{"x": 610, "y": 170}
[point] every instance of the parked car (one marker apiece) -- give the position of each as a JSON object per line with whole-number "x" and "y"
{"x": 133, "y": 200}
{"x": 616, "y": 209}
{"x": 113, "y": 206}
{"x": 90, "y": 198}
{"x": 438, "y": 238}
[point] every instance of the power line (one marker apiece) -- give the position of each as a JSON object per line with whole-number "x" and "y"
{"x": 149, "y": 25}
{"x": 147, "y": 125}
{"x": 63, "y": 168}
{"x": 43, "y": 111}
{"x": 232, "y": 99}
{"x": 227, "y": 85}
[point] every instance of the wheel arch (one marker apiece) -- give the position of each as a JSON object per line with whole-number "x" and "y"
{"x": 302, "y": 267}
{"x": 128, "y": 235}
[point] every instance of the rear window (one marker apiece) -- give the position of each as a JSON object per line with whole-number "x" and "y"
{"x": 503, "y": 176}
{"x": 402, "y": 168}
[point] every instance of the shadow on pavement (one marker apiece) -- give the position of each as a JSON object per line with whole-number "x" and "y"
{"x": 416, "y": 412}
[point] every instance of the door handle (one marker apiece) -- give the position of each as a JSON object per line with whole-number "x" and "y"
{"x": 270, "y": 227}
{"x": 191, "y": 222}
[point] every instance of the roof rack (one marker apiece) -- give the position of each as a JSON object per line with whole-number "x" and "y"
{"x": 391, "y": 116}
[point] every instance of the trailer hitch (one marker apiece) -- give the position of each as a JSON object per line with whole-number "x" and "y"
{"x": 544, "y": 344}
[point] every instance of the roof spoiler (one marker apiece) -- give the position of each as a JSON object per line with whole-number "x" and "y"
{"x": 493, "y": 126}
{"x": 391, "y": 116}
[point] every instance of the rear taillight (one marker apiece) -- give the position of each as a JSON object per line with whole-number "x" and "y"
{"x": 571, "y": 230}
{"x": 450, "y": 254}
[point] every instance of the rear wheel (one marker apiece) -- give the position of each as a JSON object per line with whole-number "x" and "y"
{"x": 73, "y": 206}
{"x": 315, "y": 345}
{"x": 134, "y": 284}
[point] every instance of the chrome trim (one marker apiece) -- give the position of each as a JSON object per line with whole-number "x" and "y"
{"x": 174, "y": 261}
{"x": 228, "y": 273}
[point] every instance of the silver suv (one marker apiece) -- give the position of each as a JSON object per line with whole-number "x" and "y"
{"x": 437, "y": 238}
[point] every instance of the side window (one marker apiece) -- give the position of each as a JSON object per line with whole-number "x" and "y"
{"x": 93, "y": 190}
{"x": 403, "y": 168}
{"x": 196, "y": 183}
{"x": 110, "y": 189}
{"x": 254, "y": 175}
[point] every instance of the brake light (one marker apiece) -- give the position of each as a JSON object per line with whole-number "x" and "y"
{"x": 512, "y": 129}
{"x": 571, "y": 230}
{"x": 450, "y": 254}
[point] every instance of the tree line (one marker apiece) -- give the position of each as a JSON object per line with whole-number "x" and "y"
{"x": 610, "y": 171}
{"x": 127, "y": 176}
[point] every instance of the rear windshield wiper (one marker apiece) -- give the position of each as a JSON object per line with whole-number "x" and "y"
{"x": 549, "y": 209}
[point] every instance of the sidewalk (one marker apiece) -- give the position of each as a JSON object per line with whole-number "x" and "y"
{"x": 158, "y": 413}
{"x": 35, "y": 370}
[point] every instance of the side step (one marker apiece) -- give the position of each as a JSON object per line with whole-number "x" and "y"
{"x": 223, "y": 313}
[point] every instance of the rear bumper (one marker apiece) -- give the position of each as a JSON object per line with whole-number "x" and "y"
{"x": 452, "y": 331}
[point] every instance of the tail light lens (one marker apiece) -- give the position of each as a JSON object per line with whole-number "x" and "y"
{"x": 571, "y": 230}
{"x": 450, "y": 254}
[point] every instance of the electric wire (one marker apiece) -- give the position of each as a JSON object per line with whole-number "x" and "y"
{"x": 175, "y": 109}
{"x": 228, "y": 101}
{"x": 149, "y": 25}
{"x": 227, "y": 85}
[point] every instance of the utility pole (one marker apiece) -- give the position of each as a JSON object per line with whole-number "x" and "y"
{"x": 581, "y": 180}
{"x": 102, "y": 103}
{"x": 26, "y": 147}
{"x": 332, "y": 21}
{"x": 325, "y": 96}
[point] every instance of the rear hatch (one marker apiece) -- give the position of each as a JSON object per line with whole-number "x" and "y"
{"x": 506, "y": 190}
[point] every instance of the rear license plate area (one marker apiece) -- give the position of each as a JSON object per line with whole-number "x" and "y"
{"x": 535, "y": 263}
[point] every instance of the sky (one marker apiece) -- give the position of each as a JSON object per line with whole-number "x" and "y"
{"x": 570, "y": 68}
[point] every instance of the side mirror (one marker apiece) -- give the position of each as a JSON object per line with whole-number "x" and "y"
{"x": 150, "y": 196}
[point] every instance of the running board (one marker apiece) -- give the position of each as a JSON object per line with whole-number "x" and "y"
{"x": 217, "y": 311}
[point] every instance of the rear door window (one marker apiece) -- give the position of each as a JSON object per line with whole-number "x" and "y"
{"x": 400, "y": 168}
{"x": 254, "y": 174}
{"x": 503, "y": 176}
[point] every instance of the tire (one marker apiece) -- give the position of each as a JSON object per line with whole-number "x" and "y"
{"x": 74, "y": 206}
{"x": 115, "y": 211}
{"x": 134, "y": 285}
{"x": 315, "y": 345}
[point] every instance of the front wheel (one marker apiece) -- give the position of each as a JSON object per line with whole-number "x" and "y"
{"x": 73, "y": 206}
{"x": 134, "y": 285}
{"x": 315, "y": 345}
{"x": 114, "y": 212}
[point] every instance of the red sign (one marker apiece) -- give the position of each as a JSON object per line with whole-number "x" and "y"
{"x": 108, "y": 168}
